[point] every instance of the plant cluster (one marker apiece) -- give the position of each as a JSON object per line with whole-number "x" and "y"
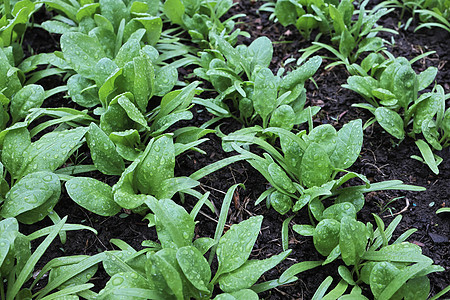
{"x": 118, "y": 68}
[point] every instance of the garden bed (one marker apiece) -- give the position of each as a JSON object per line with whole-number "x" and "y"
{"x": 380, "y": 159}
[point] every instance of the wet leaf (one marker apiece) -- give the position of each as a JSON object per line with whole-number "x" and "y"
{"x": 326, "y": 236}
{"x": 195, "y": 267}
{"x": 246, "y": 276}
{"x": 32, "y": 197}
{"x": 93, "y": 195}
{"x": 52, "y": 150}
{"x": 103, "y": 152}
{"x": 236, "y": 244}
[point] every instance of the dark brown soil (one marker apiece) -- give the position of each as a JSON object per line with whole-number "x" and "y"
{"x": 380, "y": 159}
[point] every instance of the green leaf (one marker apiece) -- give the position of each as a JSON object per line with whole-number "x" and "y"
{"x": 315, "y": 167}
{"x": 126, "y": 142}
{"x": 174, "y": 10}
{"x": 139, "y": 77}
{"x": 352, "y": 240}
{"x": 325, "y": 136}
{"x": 305, "y": 230}
{"x": 286, "y": 12}
{"x": 51, "y": 150}
{"x": 165, "y": 261}
{"x": 165, "y": 79}
{"x": 390, "y": 121}
{"x": 340, "y": 210}
{"x": 32, "y": 197}
{"x": 247, "y": 275}
{"x": 283, "y": 117}
{"x": 428, "y": 156}
{"x": 265, "y": 94}
{"x": 426, "y": 77}
{"x": 15, "y": 142}
{"x": 326, "y": 236}
{"x": 81, "y": 92}
{"x": 382, "y": 274}
{"x": 157, "y": 165}
{"x": 30, "y": 96}
{"x": 282, "y": 203}
{"x": 79, "y": 278}
{"x": 195, "y": 267}
{"x": 301, "y": 74}
{"x": 82, "y": 52}
{"x": 261, "y": 52}
{"x": 122, "y": 281}
{"x": 132, "y": 111}
{"x": 175, "y": 227}
{"x": 280, "y": 179}
{"x": 103, "y": 152}
{"x": 354, "y": 197}
{"x": 236, "y": 244}
{"x": 93, "y": 195}
{"x": 348, "y": 145}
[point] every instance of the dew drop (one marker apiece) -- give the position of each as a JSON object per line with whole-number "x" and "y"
{"x": 117, "y": 281}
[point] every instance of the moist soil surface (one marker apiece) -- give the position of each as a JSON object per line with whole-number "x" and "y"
{"x": 381, "y": 159}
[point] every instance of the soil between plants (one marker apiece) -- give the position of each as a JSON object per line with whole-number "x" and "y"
{"x": 381, "y": 159}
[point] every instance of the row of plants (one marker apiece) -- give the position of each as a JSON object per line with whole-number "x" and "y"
{"x": 119, "y": 63}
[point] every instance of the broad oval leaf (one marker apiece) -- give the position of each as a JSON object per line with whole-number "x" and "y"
{"x": 195, "y": 267}
{"x": 390, "y": 121}
{"x": 157, "y": 165}
{"x": 315, "y": 167}
{"x": 326, "y": 236}
{"x": 82, "y": 52}
{"x": 381, "y": 275}
{"x": 340, "y": 210}
{"x": 352, "y": 240}
{"x": 282, "y": 203}
{"x": 93, "y": 195}
{"x": 265, "y": 93}
{"x": 235, "y": 246}
{"x": 32, "y": 197}
{"x": 52, "y": 150}
{"x": 348, "y": 145}
{"x": 30, "y": 96}
{"x": 103, "y": 152}
{"x": 247, "y": 275}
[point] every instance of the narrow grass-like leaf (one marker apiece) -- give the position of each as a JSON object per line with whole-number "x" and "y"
{"x": 30, "y": 264}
